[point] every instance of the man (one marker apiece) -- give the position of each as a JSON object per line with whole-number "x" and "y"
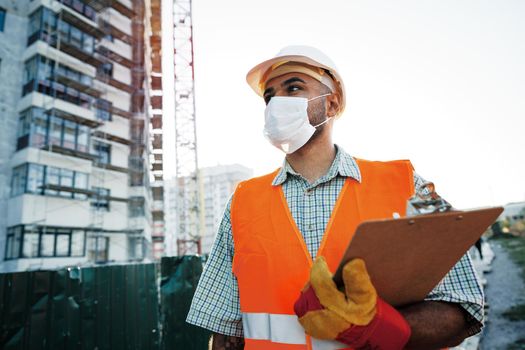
{"x": 262, "y": 289}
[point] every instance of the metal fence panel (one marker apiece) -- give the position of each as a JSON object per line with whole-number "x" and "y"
{"x": 106, "y": 307}
{"x": 179, "y": 278}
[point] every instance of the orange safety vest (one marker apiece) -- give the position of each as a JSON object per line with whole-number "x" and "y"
{"x": 271, "y": 261}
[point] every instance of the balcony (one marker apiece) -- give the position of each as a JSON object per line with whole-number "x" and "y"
{"x": 115, "y": 32}
{"x": 122, "y": 113}
{"x": 69, "y": 152}
{"x": 61, "y": 113}
{"x": 84, "y": 25}
{"x": 81, "y": 8}
{"x": 110, "y": 137}
{"x": 99, "y": 5}
{"x": 104, "y": 51}
{"x": 78, "y": 85}
{"x": 77, "y": 52}
{"x": 111, "y": 167}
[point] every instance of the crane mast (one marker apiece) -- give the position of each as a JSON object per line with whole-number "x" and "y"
{"x": 188, "y": 203}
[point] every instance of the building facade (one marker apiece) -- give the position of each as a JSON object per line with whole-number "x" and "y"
{"x": 75, "y": 158}
{"x": 217, "y": 185}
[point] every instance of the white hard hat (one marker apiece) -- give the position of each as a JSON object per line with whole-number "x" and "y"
{"x": 300, "y": 54}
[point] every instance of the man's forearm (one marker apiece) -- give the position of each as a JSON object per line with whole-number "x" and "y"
{"x": 435, "y": 324}
{"x": 226, "y": 342}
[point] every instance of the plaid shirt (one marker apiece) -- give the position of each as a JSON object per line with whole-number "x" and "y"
{"x": 215, "y": 304}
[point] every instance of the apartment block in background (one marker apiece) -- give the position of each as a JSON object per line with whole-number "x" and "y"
{"x": 75, "y": 144}
{"x": 218, "y": 184}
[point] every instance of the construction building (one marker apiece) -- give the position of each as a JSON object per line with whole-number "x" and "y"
{"x": 80, "y": 101}
{"x": 217, "y": 185}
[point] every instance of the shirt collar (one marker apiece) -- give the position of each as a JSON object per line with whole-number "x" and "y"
{"x": 343, "y": 165}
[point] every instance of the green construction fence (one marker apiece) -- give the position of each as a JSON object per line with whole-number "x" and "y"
{"x": 117, "y": 307}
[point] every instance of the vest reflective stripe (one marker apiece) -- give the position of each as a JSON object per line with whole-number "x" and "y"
{"x": 274, "y": 327}
{"x": 318, "y": 344}
{"x": 271, "y": 261}
{"x": 282, "y": 329}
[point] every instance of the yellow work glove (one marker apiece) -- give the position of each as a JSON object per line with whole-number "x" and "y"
{"x": 357, "y": 317}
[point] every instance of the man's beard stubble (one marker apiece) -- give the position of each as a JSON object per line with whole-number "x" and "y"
{"x": 317, "y": 115}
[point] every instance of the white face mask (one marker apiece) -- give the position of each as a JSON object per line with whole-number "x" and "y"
{"x": 286, "y": 123}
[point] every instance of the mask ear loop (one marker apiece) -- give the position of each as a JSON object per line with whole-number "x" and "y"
{"x": 315, "y": 98}
{"x": 326, "y": 121}
{"x": 328, "y": 118}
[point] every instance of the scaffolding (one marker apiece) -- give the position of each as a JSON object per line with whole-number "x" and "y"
{"x": 155, "y": 101}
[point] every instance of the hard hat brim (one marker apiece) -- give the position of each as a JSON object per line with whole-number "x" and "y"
{"x": 254, "y": 76}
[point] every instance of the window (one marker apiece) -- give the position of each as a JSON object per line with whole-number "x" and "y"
{"x": 35, "y": 23}
{"x": 136, "y": 207}
{"x": 55, "y": 131}
{"x": 52, "y": 178}
{"x": 98, "y": 248}
{"x": 28, "y": 242}
{"x": 86, "y": 80}
{"x": 83, "y": 138}
{"x": 63, "y": 241}
{"x": 88, "y": 43}
{"x": 70, "y": 134}
{"x": 81, "y": 182}
{"x": 103, "y": 109}
{"x": 103, "y": 151}
{"x": 40, "y": 75}
{"x": 66, "y": 180}
{"x": 47, "y": 244}
{"x": 49, "y": 20}
{"x": 32, "y": 178}
{"x": 90, "y": 13}
{"x": 32, "y": 128}
{"x": 106, "y": 70}
{"x": 35, "y": 178}
{"x": 39, "y": 127}
{"x": 23, "y": 130}
{"x": 63, "y": 31}
{"x": 30, "y": 70}
{"x": 2, "y": 19}
{"x": 24, "y": 123}
{"x": 13, "y": 243}
{"x": 44, "y": 24}
{"x": 100, "y": 200}
{"x": 18, "y": 180}
{"x": 78, "y": 6}
{"x": 76, "y": 37}
{"x": 77, "y": 243}
{"x": 33, "y": 131}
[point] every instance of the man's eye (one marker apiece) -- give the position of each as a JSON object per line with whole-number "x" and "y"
{"x": 293, "y": 88}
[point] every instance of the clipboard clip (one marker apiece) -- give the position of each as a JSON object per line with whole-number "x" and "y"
{"x": 427, "y": 201}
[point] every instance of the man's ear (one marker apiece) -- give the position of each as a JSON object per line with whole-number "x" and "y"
{"x": 333, "y": 105}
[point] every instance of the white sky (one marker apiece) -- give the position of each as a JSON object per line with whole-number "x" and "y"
{"x": 439, "y": 82}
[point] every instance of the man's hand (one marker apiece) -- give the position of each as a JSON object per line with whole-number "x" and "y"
{"x": 357, "y": 317}
{"x": 226, "y": 342}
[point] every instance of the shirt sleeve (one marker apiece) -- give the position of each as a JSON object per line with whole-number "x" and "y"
{"x": 215, "y": 305}
{"x": 460, "y": 285}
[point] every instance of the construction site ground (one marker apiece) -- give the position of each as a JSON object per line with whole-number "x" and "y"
{"x": 505, "y": 294}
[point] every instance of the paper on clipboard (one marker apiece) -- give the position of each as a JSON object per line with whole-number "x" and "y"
{"x": 406, "y": 258}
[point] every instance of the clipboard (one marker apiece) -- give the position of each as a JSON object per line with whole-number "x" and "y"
{"x": 406, "y": 258}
